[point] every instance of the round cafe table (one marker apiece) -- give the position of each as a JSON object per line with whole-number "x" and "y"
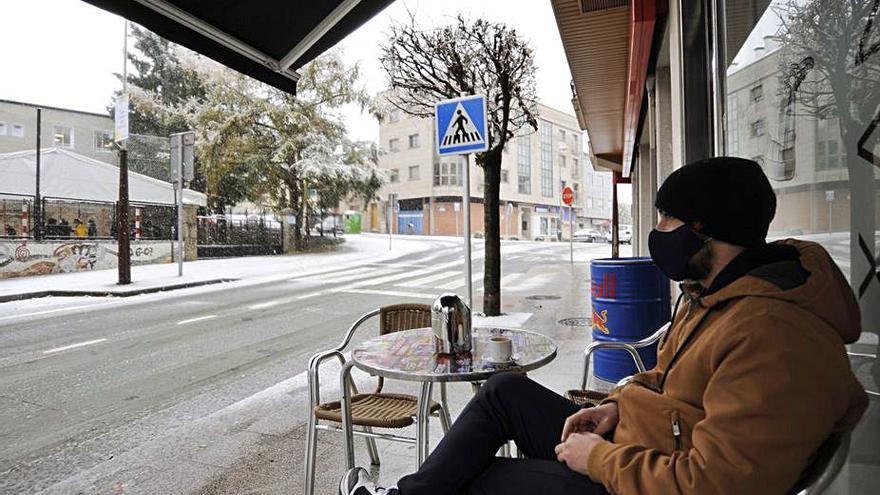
{"x": 409, "y": 355}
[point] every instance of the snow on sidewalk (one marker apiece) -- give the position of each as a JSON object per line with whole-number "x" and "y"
{"x": 357, "y": 250}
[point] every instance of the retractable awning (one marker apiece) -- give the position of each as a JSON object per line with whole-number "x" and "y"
{"x": 267, "y": 39}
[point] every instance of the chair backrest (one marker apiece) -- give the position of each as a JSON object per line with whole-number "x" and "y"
{"x": 397, "y": 317}
{"x": 824, "y": 466}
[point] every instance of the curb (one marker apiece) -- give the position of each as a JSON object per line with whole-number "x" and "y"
{"x": 110, "y": 293}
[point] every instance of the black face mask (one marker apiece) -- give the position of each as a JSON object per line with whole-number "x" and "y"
{"x": 673, "y": 250}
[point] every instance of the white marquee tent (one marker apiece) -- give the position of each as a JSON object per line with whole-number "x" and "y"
{"x": 64, "y": 174}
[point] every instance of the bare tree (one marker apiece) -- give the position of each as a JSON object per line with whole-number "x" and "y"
{"x": 830, "y": 69}
{"x": 478, "y": 57}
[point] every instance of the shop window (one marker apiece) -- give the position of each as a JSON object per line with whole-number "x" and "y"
{"x": 17, "y": 130}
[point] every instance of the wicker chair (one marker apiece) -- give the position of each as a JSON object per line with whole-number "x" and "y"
{"x": 369, "y": 410}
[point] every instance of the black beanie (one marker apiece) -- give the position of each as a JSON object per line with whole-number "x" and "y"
{"x": 727, "y": 198}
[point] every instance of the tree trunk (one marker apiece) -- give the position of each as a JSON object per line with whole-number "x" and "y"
{"x": 492, "y": 227}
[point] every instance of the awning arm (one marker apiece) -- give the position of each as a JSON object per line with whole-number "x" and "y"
{"x": 183, "y": 18}
{"x": 317, "y": 33}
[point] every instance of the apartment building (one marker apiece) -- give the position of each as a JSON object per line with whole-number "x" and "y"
{"x": 85, "y": 133}
{"x": 536, "y": 165}
{"x": 802, "y": 153}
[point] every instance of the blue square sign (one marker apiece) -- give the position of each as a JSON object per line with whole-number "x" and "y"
{"x": 461, "y": 125}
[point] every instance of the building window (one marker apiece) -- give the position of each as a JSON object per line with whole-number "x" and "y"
{"x": 547, "y": 159}
{"x": 414, "y": 172}
{"x": 575, "y": 143}
{"x": 394, "y": 115}
{"x": 2, "y": 128}
{"x": 562, "y": 161}
{"x": 413, "y": 140}
{"x": 757, "y": 128}
{"x": 17, "y": 130}
{"x": 757, "y": 93}
{"x": 447, "y": 174}
{"x": 394, "y": 175}
{"x": 545, "y": 226}
{"x": 562, "y": 137}
{"x": 394, "y": 144}
{"x": 829, "y": 153}
{"x": 103, "y": 141}
{"x": 524, "y": 161}
{"x": 590, "y": 203}
{"x": 732, "y": 126}
{"x": 788, "y": 163}
{"x": 62, "y": 135}
{"x": 575, "y": 168}
{"x": 577, "y": 192}
{"x": 504, "y": 176}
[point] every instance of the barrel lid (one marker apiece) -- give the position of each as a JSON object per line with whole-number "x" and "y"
{"x": 645, "y": 260}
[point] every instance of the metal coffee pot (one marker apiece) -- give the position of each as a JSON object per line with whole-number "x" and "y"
{"x": 451, "y": 322}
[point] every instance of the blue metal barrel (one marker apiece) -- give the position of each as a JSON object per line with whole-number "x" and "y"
{"x": 630, "y": 300}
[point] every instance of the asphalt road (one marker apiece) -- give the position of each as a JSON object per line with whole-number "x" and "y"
{"x": 80, "y": 386}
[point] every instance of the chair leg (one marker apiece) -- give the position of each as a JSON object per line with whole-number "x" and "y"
{"x": 311, "y": 447}
{"x": 445, "y": 422}
{"x": 371, "y": 447}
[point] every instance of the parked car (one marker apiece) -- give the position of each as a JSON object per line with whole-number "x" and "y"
{"x": 625, "y": 236}
{"x": 588, "y": 235}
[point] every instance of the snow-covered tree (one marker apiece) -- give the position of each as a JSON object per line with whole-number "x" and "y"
{"x": 275, "y": 145}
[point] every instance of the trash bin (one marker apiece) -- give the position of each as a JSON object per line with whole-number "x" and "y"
{"x": 352, "y": 222}
{"x": 630, "y": 300}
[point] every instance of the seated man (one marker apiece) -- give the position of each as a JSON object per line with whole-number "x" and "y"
{"x": 751, "y": 378}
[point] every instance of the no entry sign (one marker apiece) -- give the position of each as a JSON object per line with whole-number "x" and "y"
{"x": 567, "y": 195}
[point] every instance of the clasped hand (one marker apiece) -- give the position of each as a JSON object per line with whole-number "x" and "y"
{"x": 583, "y": 430}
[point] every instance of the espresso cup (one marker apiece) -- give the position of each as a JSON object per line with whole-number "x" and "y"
{"x": 500, "y": 349}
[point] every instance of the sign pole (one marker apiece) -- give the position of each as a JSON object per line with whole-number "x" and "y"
{"x": 571, "y": 233}
{"x": 466, "y": 211}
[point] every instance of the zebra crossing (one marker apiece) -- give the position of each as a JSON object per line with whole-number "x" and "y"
{"x": 398, "y": 279}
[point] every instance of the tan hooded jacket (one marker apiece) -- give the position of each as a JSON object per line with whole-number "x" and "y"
{"x": 749, "y": 382}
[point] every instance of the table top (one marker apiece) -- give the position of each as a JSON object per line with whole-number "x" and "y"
{"x": 409, "y": 355}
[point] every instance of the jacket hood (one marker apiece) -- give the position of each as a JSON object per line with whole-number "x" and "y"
{"x": 811, "y": 280}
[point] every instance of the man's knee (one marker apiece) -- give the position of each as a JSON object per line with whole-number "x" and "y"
{"x": 502, "y": 383}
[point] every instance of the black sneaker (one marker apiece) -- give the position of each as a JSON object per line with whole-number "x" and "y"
{"x": 356, "y": 481}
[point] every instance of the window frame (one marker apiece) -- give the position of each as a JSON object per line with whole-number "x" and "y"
{"x": 55, "y": 128}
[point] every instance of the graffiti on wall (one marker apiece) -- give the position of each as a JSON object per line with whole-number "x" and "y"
{"x": 28, "y": 258}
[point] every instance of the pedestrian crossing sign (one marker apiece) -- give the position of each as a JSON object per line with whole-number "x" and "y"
{"x": 461, "y": 125}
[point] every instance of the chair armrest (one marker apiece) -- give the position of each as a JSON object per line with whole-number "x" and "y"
{"x": 314, "y": 380}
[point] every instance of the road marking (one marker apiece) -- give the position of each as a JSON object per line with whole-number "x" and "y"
{"x": 267, "y": 304}
{"x": 395, "y": 293}
{"x": 330, "y": 273}
{"x": 356, "y": 275}
{"x": 193, "y": 320}
{"x": 426, "y": 281}
{"x": 454, "y": 284}
{"x": 74, "y": 346}
{"x": 508, "y": 279}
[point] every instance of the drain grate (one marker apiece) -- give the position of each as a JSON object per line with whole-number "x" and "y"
{"x": 576, "y": 322}
{"x": 542, "y": 298}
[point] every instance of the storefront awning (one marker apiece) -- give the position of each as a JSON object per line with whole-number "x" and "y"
{"x": 267, "y": 39}
{"x": 609, "y": 44}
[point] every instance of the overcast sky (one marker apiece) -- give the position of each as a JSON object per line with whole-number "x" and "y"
{"x": 63, "y": 52}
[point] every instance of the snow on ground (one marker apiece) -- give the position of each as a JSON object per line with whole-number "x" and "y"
{"x": 358, "y": 249}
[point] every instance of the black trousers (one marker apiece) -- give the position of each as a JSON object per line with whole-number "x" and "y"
{"x": 508, "y": 407}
